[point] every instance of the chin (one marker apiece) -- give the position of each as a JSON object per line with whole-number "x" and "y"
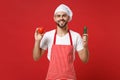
{"x": 62, "y": 26}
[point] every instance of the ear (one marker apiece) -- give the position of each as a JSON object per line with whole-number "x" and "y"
{"x": 68, "y": 18}
{"x": 54, "y": 18}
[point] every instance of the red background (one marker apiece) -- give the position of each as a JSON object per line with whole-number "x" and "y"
{"x": 19, "y": 18}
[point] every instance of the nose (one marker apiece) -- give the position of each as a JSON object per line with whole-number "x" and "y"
{"x": 61, "y": 17}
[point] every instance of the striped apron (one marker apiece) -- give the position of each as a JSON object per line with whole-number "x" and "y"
{"x": 61, "y": 62}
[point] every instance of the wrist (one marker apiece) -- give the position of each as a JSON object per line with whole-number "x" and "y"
{"x": 37, "y": 41}
{"x": 86, "y": 47}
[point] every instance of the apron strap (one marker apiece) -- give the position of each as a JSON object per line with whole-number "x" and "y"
{"x": 69, "y": 37}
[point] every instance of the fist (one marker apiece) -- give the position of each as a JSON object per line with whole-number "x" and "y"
{"x": 85, "y": 37}
{"x": 85, "y": 40}
{"x": 39, "y": 33}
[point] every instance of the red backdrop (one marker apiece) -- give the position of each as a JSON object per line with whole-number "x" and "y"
{"x": 19, "y": 18}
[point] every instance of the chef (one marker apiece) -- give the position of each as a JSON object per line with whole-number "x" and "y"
{"x": 61, "y": 43}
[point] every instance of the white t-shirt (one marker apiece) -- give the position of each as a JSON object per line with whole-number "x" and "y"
{"x": 47, "y": 41}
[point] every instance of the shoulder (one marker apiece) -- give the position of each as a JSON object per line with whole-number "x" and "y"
{"x": 49, "y": 34}
{"x": 75, "y": 34}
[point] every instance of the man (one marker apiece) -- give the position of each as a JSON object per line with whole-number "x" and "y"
{"x": 61, "y": 44}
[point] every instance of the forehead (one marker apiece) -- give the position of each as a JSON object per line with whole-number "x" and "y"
{"x": 61, "y": 13}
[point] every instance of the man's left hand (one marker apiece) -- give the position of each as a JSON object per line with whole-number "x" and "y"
{"x": 85, "y": 40}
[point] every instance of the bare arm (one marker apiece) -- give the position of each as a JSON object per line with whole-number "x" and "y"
{"x": 84, "y": 53}
{"x": 37, "y": 51}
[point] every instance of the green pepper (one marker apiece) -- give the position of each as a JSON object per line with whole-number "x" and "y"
{"x": 85, "y": 30}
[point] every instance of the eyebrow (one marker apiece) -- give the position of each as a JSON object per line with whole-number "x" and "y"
{"x": 61, "y": 14}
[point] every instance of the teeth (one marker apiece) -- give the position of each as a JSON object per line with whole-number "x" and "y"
{"x": 61, "y": 21}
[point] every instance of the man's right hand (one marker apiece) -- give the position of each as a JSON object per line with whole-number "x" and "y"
{"x": 37, "y": 51}
{"x": 37, "y": 35}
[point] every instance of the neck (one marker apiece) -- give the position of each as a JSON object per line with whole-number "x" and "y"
{"x": 62, "y": 31}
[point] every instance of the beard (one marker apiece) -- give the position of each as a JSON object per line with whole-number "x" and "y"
{"x": 61, "y": 23}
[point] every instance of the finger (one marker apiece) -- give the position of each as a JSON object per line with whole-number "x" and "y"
{"x": 85, "y": 34}
{"x": 85, "y": 38}
{"x": 36, "y": 30}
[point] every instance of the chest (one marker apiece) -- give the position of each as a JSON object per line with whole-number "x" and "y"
{"x": 65, "y": 40}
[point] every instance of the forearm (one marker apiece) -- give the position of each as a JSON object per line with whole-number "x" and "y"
{"x": 84, "y": 55}
{"x": 36, "y": 50}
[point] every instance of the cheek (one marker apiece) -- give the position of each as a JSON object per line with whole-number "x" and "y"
{"x": 68, "y": 18}
{"x": 55, "y": 19}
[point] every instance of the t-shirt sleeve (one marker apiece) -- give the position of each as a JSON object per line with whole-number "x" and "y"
{"x": 79, "y": 43}
{"x": 44, "y": 42}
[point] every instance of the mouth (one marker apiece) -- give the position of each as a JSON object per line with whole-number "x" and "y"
{"x": 61, "y": 21}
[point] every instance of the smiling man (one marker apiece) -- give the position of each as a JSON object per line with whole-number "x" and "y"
{"x": 61, "y": 44}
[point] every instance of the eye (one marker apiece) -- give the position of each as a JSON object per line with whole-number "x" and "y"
{"x": 57, "y": 15}
{"x": 64, "y": 15}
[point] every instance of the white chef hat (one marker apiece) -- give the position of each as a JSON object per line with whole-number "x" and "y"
{"x": 64, "y": 8}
